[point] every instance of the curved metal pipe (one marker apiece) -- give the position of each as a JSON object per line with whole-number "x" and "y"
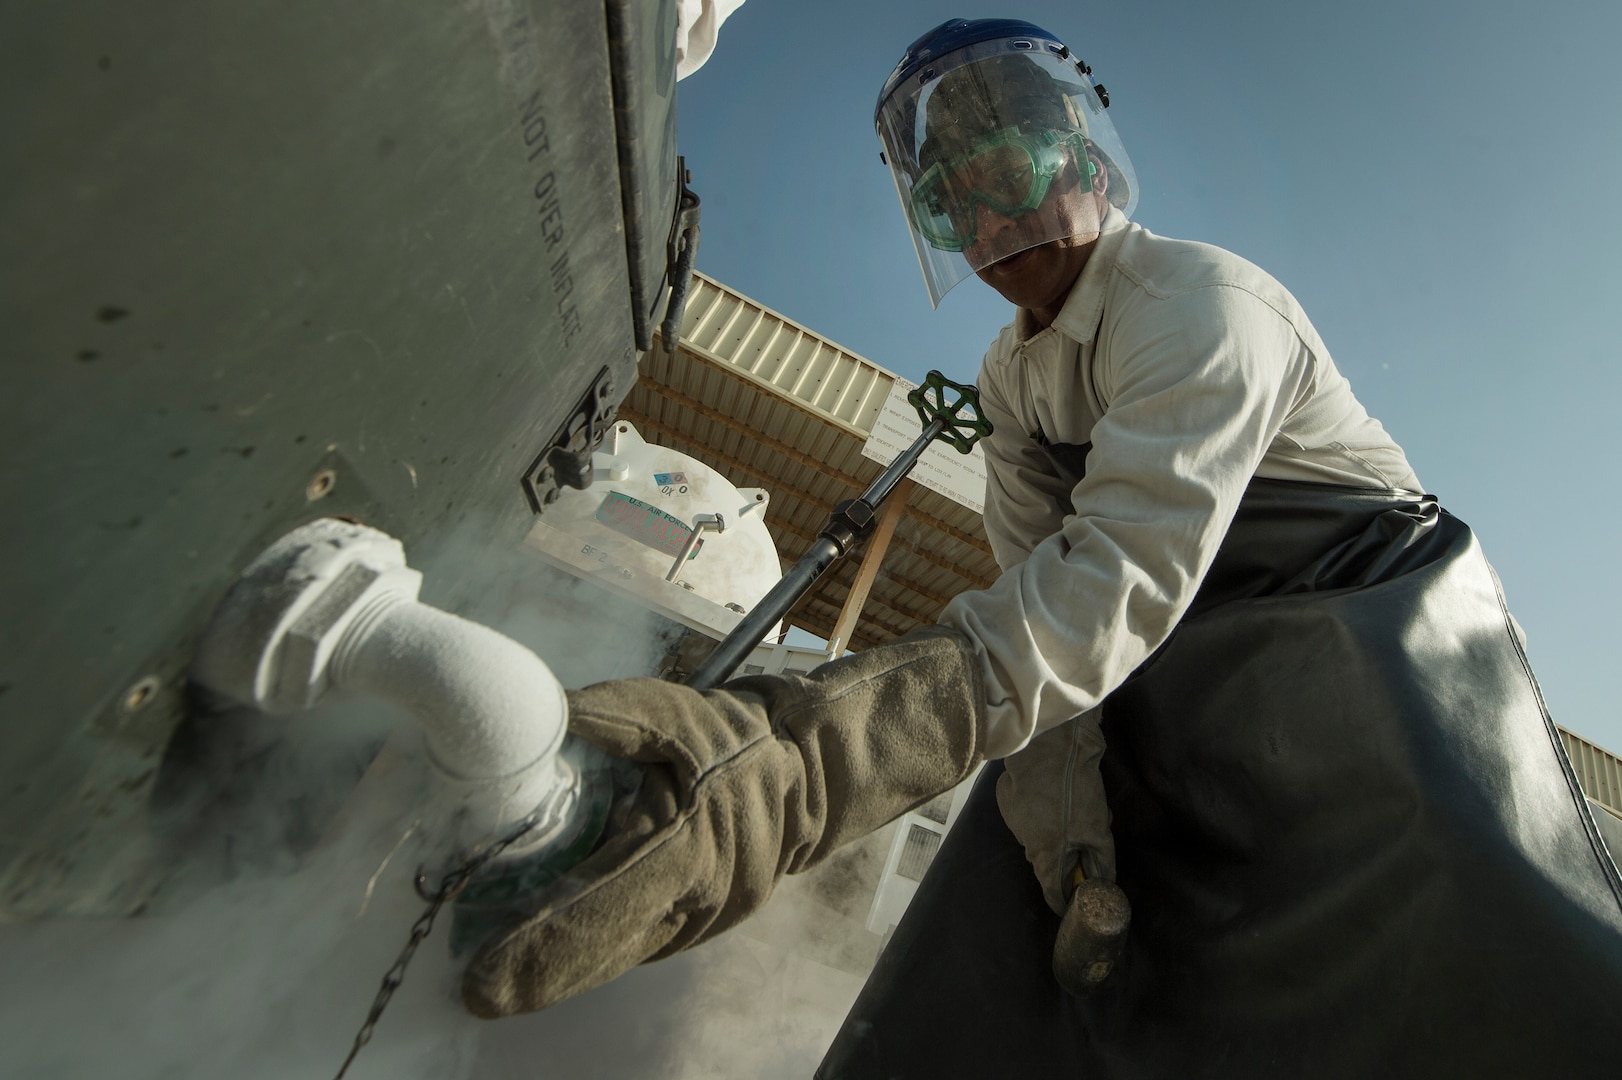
{"x": 492, "y": 715}
{"x": 334, "y": 604}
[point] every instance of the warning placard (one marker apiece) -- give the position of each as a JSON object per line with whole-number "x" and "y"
{"x": 960, "y": 477}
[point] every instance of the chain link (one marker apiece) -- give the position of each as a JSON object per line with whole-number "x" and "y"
{"x": 450, "y": 887}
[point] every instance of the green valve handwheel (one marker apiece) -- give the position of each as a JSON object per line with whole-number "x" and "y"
{"x": 956, "y": 405}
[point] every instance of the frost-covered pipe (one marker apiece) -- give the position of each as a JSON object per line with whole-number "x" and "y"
{"x": 492, "y": 715}
{"x": 333, "y": 604}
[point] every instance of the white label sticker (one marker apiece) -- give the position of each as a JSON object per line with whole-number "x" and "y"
{"x": 960, "y": 477}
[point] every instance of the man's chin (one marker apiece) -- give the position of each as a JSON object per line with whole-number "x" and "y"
{"x": 1009, "y": 264}
{"x": 997, "y": 262}
{"x": 1037, "y": 277}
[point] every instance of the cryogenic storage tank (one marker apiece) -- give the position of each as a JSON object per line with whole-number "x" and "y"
{"x": 273, "y": 263}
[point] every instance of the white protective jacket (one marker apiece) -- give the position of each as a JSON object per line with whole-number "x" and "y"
{"x": 1189, "y": 371}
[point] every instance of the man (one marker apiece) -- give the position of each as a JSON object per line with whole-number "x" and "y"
{"x": 1178, "y": 371}
{"x": 1349, "y": 838}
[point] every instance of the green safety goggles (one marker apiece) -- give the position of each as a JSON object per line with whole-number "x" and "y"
{"x": 1010, "y": 172}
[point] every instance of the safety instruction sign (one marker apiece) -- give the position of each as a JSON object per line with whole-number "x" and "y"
{"x": 960, "y": 477}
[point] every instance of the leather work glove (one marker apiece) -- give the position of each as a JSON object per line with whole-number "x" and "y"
{"x": 762, "y": 777}
{"x": 1052, "y": 799}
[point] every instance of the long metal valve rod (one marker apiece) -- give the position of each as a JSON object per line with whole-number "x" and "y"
{"x": 835, "y": 541}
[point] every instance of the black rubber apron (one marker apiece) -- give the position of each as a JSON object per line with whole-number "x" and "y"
{"x": 1353, "y": 845}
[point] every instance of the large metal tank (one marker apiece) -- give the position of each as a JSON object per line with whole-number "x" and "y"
{"x": 267, "y": 262}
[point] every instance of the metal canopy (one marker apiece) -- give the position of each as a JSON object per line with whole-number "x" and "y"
{"x": 768, "y": 402}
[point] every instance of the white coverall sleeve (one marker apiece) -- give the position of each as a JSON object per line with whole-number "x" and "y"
{"x": 1196, "y": 386}
{"x": 1025, "y": 501}
{"x": 698, "y": 26}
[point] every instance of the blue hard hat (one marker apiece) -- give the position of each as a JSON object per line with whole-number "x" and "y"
{"x": 955, "y": 34}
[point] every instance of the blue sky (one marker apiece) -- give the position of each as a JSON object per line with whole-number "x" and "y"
{"x": 1439, "y": 183}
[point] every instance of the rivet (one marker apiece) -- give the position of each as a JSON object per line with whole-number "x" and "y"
{"x": 141, "y": 694}
{"x": 320, "y": 485}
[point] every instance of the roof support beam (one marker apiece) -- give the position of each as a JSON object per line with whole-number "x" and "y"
{"x": 872, "y": 558}
{"x": 901, "y": 542}
{"x": 817, "y": 615}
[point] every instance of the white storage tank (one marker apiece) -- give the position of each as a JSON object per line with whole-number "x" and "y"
{"x": 666, "y": 529}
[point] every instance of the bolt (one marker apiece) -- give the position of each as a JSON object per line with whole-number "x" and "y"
{"x": 139, "y": 695}
{"x": 320, "y": 485}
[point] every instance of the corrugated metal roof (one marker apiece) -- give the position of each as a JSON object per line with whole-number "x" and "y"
{"x": 770, "y": 403}
{"x": 1598, "y": 770}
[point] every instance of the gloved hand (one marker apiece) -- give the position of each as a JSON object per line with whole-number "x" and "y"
{"x": 762, "y": 777}
{"x": 1052, "y": 798}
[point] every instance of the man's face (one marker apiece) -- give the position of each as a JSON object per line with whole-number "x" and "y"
{"x": 1040, "y": 277}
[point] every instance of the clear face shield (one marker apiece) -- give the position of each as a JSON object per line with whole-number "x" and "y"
{"x": 998, "y": 147}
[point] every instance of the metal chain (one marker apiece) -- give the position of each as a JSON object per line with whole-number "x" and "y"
{"x": 450, "y": 887}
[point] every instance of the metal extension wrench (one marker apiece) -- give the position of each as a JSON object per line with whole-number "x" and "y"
{"x": 949, "y": 412}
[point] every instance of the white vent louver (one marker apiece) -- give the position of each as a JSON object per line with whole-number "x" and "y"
{"x": 920, "y": 850}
